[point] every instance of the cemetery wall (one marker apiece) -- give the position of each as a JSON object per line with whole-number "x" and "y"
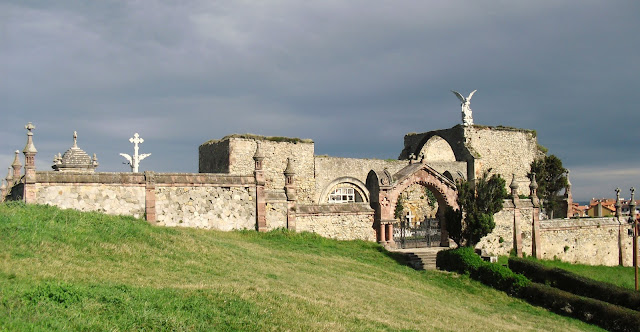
{"x": 337, "y": 221}
{"x": 593, "y": 241}
{"x": 236, "y": 152}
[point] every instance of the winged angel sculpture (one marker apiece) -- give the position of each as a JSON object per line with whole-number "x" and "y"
{"x": 467, "y": 118}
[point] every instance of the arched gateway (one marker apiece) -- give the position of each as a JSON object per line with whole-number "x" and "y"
{"x": 384, "y": 190}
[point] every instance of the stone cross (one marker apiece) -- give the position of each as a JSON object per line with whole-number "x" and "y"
{"x": 134, "y": 161}
{"x": 410, "y": 217}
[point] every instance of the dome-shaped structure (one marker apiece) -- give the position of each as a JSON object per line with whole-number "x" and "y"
{"x": 75, "y": 159}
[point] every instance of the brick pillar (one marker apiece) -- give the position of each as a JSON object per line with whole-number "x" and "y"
{"x": 390, "y": 242}
{"x": 383, "y": 236}
{"x": 261, "y": 204}
{"x": 150, "y": 196}
{"x": 517, "y": 232}
{"x": 536, "y": 249}
{"x": 29, "y": 166}
{"x": 16, "y": 166}
{"x": 290, "y": 191}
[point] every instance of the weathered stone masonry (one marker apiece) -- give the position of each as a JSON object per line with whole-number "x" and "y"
{"x": 263, "y": 183}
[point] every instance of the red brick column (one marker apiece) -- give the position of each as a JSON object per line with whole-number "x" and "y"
{"x": 390, "y": 242}
{"x": 383, "y": 237}
{"x": 150, "y": 196}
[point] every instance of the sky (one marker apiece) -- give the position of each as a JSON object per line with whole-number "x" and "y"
{"x": 354, "y": 76}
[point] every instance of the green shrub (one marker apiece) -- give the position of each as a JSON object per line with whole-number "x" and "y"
{"x": 464, "y": 260}
{"x": 575, "y": 284}
{"x": 603, "y": 314}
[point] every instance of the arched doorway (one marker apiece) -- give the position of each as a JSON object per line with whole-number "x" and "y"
{"x": 385, "y": 189}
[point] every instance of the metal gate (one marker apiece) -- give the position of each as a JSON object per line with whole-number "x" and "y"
{"x": 418, "y": 235}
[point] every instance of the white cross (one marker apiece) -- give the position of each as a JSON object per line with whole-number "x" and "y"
{"x": 409, "y": 217}
{"x": 135, "y": 161}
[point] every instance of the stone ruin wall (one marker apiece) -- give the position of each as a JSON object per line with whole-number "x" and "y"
{"x": 239, "y": 152}
{"x": 505, "y": 151}
{"x": 328, "y": 169}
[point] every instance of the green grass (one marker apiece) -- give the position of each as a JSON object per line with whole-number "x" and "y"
{"x": 622, "y": 276}
{"x": 67, "y": 270}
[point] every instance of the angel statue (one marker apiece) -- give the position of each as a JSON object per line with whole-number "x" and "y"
{"x": 467, "y": 118}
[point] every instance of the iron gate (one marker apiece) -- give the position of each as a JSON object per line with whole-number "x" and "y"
{"x": 418, "y": 235}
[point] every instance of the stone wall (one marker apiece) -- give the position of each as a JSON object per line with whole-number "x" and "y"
{"x": 594, "y": 241}
{"x": 107, "y": 198}
{"x": 239, "y": 151}
{"x": 329, "y": 169}
{"x": 210, "y": 207}
{"x": 338, "y": 221}
{"x": 505, "y": 151}
{"x": 500, "y": 241}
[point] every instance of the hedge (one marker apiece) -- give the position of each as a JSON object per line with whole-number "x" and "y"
{"x": 575, "y": 284}
{"x": 464, "y": 260}
{"x": 603, "y": 314}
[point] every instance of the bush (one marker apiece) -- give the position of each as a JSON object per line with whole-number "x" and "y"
{"x": 605, "y": 315}
{"x": 576, "y": 284}
{"x": 464, "y": 260}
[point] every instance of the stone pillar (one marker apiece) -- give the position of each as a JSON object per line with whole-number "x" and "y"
{"x": 16, "y": 166}
{"x": 517, "y": 232}
{"x": 261, "y": 204}
{"x": 536, "y": 249}
{"x": 383, "y": 237}
{"x": 290, "y": 191}
{"x": 29, "y": 166}
{"x": 389, "y": 233}
{"x": 150, "y": 196}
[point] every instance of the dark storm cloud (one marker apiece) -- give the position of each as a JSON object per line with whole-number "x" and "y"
{"x": 354, "y": 76}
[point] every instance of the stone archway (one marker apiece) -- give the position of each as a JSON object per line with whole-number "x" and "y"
{"x": 385, "y": 189}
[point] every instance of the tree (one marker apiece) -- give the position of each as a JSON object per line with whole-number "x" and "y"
{"x": 477, "y": 207}
{"x": 551, "y": 178}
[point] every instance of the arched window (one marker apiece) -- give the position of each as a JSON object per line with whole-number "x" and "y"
{"x": 345, "y": 195}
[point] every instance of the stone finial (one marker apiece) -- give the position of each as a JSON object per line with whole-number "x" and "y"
{"x": 567, "y": 190}
{"x": 16, "y": 165}
{"x": 94, "y": 161}
{"x": 75, "y": 139}
{"x": 289, "y": 172}
{"x": 514, "y": 185}
{"x": 412, "y": 158}
{"x": 258, "y": 157}
{"x": 9, "y": 176}
{"x": 29, "y": 148}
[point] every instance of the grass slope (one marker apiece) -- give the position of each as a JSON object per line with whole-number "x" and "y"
{"x": 67, "y": 270}
{"x": 622, "y": 276}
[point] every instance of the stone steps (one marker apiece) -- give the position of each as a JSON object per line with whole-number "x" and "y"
{"x": 422, "y": 258}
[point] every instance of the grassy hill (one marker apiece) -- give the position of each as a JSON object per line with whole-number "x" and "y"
{"x": 67, "y": 270}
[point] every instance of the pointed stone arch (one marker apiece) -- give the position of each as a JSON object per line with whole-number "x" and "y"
{"x": 385, "y": 189}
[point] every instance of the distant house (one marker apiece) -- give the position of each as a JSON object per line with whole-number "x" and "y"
{"x": 602, "y": 207}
